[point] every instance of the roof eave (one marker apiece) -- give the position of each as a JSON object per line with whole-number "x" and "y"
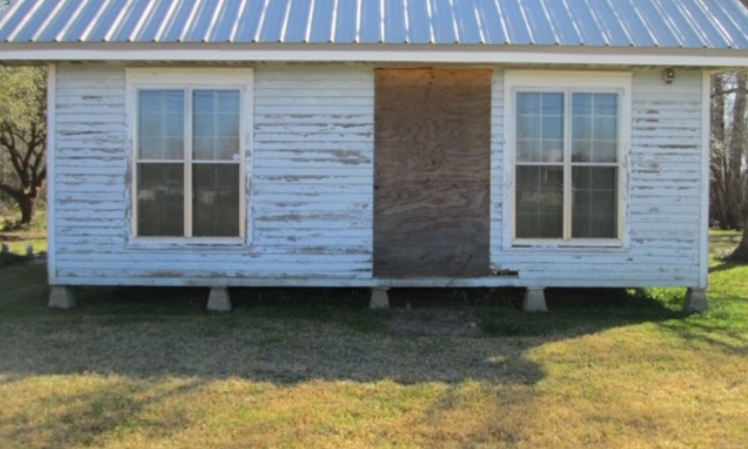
{"x": 377, "y": 53}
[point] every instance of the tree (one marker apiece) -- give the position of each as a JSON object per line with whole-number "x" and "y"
{"x": 729, "y": 198}
{"x": 23, "y": 136}
{"x": 729, "y": 157}
{"x": 732, "y": 155}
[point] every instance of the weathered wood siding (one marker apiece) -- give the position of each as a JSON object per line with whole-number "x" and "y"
{"x": 431, "y": 173}
{"x": 313, "y": 160}
{"x": 310, "y": 190}
{"x": 311, "y": 176}
{"x": 90, "y": 168}
{"x": 662, "y": 245}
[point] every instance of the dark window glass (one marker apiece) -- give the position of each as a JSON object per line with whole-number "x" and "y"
{"x": 161, "y": 200}
{"x": 215, "y": 200}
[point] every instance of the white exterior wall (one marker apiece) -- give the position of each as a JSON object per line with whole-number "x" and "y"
{"x": 663, "y": 198}
{"x": 309, "y": 207}
{"x": 310, "y": 178}
{"x": 88, "y": 166}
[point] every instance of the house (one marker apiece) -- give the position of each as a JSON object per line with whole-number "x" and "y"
{"x": 378, "y": 144}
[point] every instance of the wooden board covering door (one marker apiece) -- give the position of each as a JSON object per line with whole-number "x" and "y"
{"x": 432, "y": 173}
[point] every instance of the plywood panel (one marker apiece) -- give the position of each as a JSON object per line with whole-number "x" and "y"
{"x": 432, "y": 172}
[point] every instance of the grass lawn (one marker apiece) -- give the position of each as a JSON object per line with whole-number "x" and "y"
{"x": 18, "y": 240}
{"x": 148, "y": 368}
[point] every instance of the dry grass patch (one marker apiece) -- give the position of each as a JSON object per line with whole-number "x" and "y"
{"x": 640, "y": 387}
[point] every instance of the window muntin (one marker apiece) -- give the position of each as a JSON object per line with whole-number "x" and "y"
{"x": 188, "y": 178}
{"x": 567, "y": 164}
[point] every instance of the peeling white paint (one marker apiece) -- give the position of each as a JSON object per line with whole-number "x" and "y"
{"x": 310, "y": 196}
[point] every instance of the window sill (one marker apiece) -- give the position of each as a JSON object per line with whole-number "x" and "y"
{"x": 552, "y": 244}
{"x": 191, "y": 243}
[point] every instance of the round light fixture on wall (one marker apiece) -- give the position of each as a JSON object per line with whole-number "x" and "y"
{"x": 668, "y": 75}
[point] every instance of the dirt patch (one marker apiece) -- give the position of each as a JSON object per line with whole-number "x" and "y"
{"x": 434, "y": 323}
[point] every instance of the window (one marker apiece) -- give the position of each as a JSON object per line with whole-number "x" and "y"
{"x": 567, "y": 145}
{"x": 188, "y": 156}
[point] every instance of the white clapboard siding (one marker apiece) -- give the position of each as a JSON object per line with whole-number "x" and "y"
{"x": 90, "y": 162}
{"x": 311, "y": 196}
{"x": 663, "y": 199}
{"x": 313, "y": 163}
{"x": 310, "y": 190}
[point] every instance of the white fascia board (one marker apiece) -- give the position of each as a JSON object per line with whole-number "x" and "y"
{"x": 476, "y": 54}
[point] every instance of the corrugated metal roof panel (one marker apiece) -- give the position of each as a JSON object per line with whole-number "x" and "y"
{"x": 617, "y": 23}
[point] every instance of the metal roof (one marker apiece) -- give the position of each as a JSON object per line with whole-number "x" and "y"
{"x": 691, "y": 24}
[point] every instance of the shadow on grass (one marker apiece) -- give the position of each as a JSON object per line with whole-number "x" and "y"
{"x": 287, "y": 336}
{"x": 11, "y": 259}
{"x": 82, "y": 418}
{"x": 719, "y": 337}
{"x": 724, "y": 266}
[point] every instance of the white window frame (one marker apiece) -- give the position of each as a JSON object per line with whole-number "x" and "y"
{"x": 187, "y": 79}
{"x": 566, "y": 82}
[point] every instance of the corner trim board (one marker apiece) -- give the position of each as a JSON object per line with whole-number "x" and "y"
{"x": 51, "y": 150}
{"x": 706, "y": 84}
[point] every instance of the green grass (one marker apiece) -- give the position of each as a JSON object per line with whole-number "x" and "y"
{"x": 141, "y": 367}
{"x": 18, "y": 239}
{"x": 10, "y": 221}
{"x": 721, "y": 234}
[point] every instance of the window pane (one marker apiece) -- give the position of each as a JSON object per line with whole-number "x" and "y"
{"x": 228, "y": 148}
{"x": 160, "y": 195}
{"x": 540, "y": 127}
{"x": 228, "y": 100}
{"x": 605, "y": 128}
{"x": 175, "y": 103}
{"x": 595, "y": 202}
{"x": 216, "y": 125}
{"x": 204, "y": 102}
{"x": 594, "y": 128}
{"x": 228, "y": 125}
{"x": 553, "y": 127}
{"x": 553, "y": 104}
{"x": 581, "y": 150}
{"x": 552, "y": 151}
{"x": 215, "y": 200}
{"x": 581, "y": 105}
{"x": 606, "y": 104}
{"x": 539, "y": 202}
{"x": 204, "y": 126}
{"x": 581, "y": 127}
{"x": 528, "y": 150}
{"x": 605, "y": 151}
{"x": 528, "y": 103}
{"x": 151, "y": 125}
{"x": 160, "y": 125}
{"x": 528, "y": 127}
{"x": 603, "y": 178}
